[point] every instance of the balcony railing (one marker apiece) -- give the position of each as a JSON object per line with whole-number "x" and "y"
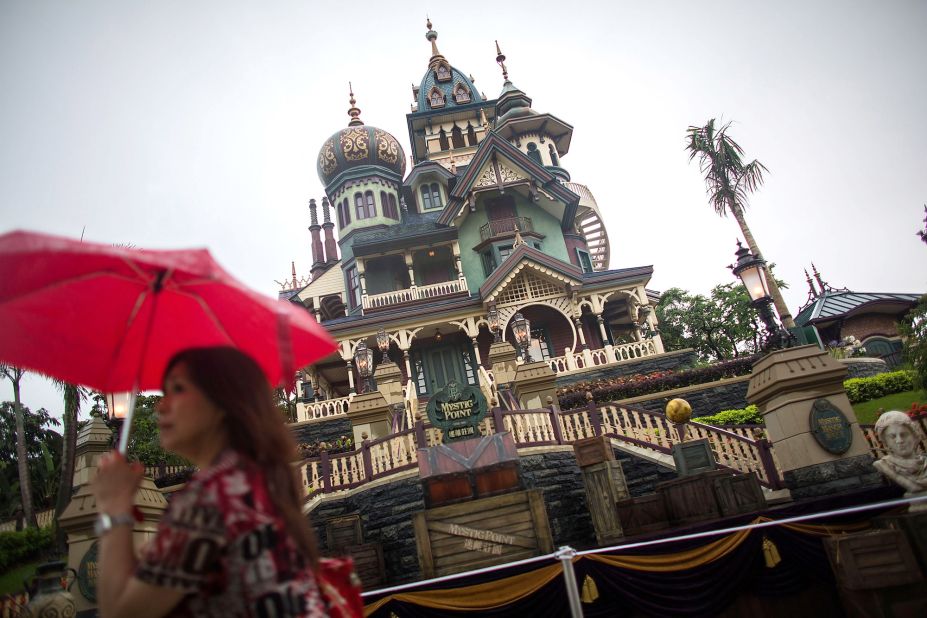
{"x": 421, "y": 292}
{"x": 501, "y": 227}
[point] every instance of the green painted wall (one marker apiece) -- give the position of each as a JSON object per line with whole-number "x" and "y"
{"x": 469, "y": 235}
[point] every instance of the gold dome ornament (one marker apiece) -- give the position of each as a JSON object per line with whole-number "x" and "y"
{"x": 678, "y": 410}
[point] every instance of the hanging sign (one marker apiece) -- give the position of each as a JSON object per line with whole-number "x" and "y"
{"x": 457, "y": 410}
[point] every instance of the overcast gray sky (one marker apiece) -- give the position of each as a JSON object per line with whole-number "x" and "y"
{"x": 173, "y": 124}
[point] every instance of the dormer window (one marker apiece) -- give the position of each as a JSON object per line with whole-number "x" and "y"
{"x": 436, "y": 97}
{"x": 442, "y": 73}
{"x": 461, "y": 94}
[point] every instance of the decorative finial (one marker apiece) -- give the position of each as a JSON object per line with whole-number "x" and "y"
{"x": 432, "y": 36}
{"x": 293, "y": 267}
{"x": 813, "y": 292}
{"x": 817, "y": 277}
{"x": 519, "y": 241}
{"x": 326, "y": 217}
{"x": 483, "y": 121}
{"x": 354, "y": 111}
{"x": 500, "y": 59}
{"x": 313, "y": 217}
{"x": 472, "y": 79}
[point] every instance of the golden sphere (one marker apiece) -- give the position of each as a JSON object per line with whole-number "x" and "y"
{"x": 678, "y": 410}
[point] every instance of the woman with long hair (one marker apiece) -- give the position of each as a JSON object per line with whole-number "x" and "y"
{"x": 234, "y": 541}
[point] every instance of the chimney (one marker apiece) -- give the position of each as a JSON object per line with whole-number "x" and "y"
{"x": 318, "y": 256}
{"x": 331, "y": 248}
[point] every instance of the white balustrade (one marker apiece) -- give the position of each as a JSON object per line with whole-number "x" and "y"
{"x": 396, "y": 297}
{"x": 329, "y": 408}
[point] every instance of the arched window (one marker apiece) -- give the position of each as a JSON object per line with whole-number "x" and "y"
{"x": 371, "y": 205}
{"x": 344, "y": 213}
{"x": 443, "y": 73}
{"x": 471, "y": 135}
{"x": 554, "y": 159}
{"x": 457, "y": 137}
{"x": 461, "y": 95}
{"x": 359, "y": 209}
{"x": 394, "y": 212}
{"x": 442, "y": 140}
{"x": 436, "y": 97}
{"x": 431, "y": 197}
{"x": 534, "y": 153}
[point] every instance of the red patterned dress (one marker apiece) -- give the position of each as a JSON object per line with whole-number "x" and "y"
{"x": 223, "y": 542}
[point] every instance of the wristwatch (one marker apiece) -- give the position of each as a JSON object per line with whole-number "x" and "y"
{"x": 106, "y": 522}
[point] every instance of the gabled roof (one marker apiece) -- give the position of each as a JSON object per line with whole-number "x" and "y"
{"x": 496, "y": 145}
{"x": 833, "y": 305}
{"x": 426, "y": 167}
{"x": 329, "y": 282}
{"x": 414, "y": 229}
{"x": 528, "y": 257}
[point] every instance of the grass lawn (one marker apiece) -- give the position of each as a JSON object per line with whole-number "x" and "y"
{"x": 866, "y": 411}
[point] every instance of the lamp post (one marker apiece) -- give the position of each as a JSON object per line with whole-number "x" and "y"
{"x": 117, "y": 406}
{"x": 383, "y": 344}
{"x": 752, "y": 272}
{"x": 521, "y": 328}
{"x": 363, "y": 360}
{"x": 494, "y": 325}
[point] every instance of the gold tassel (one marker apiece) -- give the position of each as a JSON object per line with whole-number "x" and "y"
{"x": 590, "y": 590}
{"x": 770, "y": 553}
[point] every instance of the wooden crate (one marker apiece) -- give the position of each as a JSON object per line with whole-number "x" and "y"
{"x": 605, "y": 485}
{"x": 447, "y": 489}
{"x": 690, "y": 499}
{"x": 873, "y": 559}
{"x": 738, "y": 493}
{"x": 642, "y": 515}
{"x": 466, "y": 455}
{"x": 482, "y": 532}
{"x": 497, "y": 479}
{"x": 343, "y": 531}
{"x": 591, "y": 451}
{"x": 368, "y": 564}
{"x": 914, "y": 526}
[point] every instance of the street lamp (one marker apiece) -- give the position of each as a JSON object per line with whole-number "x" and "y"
{"x": 363, "y": 360}
{"x": 521, "y": 328}
{"x": 751, "y": 270}
{"x": 383, "y": 343}
{"x": 117, "y": 407}
{"x": 494, "y": 325}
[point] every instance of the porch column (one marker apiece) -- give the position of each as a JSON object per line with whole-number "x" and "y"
{"x": 412, "y": 286}
{"x": 587, "y": 354}
{"x": 601, "y": 321}
{"x": 405, "y": 357}
{"x": 362, "y": 277}
{"x": 460, "y": 275}
{"x": 476, "y": 351}
{"x": 351, "y": 376}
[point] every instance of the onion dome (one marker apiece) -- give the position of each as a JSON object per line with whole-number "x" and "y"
{"x": 443, "y": 86}
{"x": 360, "y": 148}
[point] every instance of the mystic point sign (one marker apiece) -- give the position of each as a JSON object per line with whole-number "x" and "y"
{"x": 457, "y": 411}
{"x": 830, "y": 427}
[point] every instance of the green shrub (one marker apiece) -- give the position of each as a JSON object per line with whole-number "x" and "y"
{"x": 24, "y": 545}
{"x": 743, "y": 416}
{"x": 865, "y": 389}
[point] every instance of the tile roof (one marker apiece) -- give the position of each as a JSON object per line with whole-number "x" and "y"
{"x": 832, "y": 305}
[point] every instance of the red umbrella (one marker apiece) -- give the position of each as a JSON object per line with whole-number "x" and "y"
{"x": 112, "y": 317}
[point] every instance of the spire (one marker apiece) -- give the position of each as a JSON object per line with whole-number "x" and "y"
{"x": 293, "y": 267}
{"x": 354, "y": 111}
{"x": 812, "y": 292}
{"x": 432, "y": 36}
{"x": 817, "y": 277}
{"x": 500, "y": 59}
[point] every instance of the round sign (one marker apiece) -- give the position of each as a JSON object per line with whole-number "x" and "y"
{"x": 830, "y": 427}
{"x": 87, "y": 574}
{"x": 457, "y": 410}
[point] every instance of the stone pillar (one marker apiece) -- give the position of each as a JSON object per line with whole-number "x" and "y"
{"x": 78, "y": 518}
{"x": 533, "y": 384}
{"x": 331, "y": 247}
{"x": 810, "y": 422}
{"x": 318, "y": 253}
{"x": 370, "y": 413}
{"x": 351, "y": 376}
{"x": 503, "y": 356}
{"x": 389, "y": 381}
{"x": 602, "y": 331}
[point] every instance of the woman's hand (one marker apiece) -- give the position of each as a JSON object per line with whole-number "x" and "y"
{"x": 116, "y": 482}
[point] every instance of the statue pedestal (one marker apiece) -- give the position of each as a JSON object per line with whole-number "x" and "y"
{"x": 369, "y": 413}
{"x": 816, "y": 438}
{"x": 78, "y": 518}
{"x": 502, "y": 355}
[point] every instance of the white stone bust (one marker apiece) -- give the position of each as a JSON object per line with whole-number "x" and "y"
{"x": 903, "y": 465}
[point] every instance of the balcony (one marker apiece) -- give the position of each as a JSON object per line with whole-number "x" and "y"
{"x": 414, "y": 293}
{"x": 505, "y": 227}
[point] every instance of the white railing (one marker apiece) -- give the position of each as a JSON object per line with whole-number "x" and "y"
{"x": 578, "y": 361}
{"x": 329, "y": 408}
{"x": 635, "y": 349}
{"x": 488, "y": 384}
{"x": 421, "y": 292}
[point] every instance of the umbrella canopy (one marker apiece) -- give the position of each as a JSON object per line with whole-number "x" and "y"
{"x": 112, "y": 317}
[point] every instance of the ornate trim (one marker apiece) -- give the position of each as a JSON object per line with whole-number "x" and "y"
{"x": 355, "y": 144}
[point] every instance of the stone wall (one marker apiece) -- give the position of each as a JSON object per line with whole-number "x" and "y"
{"x": 729, "y": 394}
{"x": 322, "y": 431}
{"x": 386, "y": 510}
{"x": 864, "y": 367}
{"x": 671, "y": 361}
{"x": 870, "y": 324}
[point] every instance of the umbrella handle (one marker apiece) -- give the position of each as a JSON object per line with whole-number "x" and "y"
{"x": 127, "y": 423}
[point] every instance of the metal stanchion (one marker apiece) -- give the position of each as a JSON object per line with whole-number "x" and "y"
{"x": 565, "y": 555}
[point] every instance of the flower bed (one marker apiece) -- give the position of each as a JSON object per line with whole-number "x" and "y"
{"x": 613, "y": 389}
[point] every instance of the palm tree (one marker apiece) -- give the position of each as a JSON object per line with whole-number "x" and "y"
{"x": 73, "y": 395}
{"x": 729, "y": 181}
{"x": 15, "y": 374}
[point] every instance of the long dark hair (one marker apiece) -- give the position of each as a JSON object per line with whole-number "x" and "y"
{"x": 235, "y": 383}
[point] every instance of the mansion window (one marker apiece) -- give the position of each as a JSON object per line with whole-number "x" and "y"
{"x": 354, "y": 289}
{"x": 471, "y": 135}
{"x": 443, "y": 73}
{"x": 388, "y": 201}
{"x": 461, "y": 95}
{"x": 533, "y": 153}
{"x": 585, "y": 262}
{"x": 431, "y": 197}
{"x": 344, "y": 213}
{"x": 364, "y": 206}
{"x": 457, "y": 137}
{"x": 436, "y": 97}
